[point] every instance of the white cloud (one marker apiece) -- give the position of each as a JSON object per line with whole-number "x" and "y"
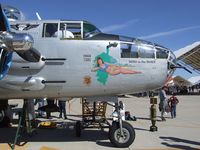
{"x": 119, "y": 26}
{"x": 171, "y": 32}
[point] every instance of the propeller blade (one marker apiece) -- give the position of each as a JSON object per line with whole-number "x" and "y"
{"x": 5, "y": 62}
{"x": 5, "y": 56}
{"x": 4, "y": 24}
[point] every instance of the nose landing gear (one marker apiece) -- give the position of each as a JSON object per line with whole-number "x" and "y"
{"x": 122, "y": 137}
{"x": 121, "y": 133}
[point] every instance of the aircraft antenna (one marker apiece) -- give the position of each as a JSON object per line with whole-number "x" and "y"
{"x": 38, "y": 16}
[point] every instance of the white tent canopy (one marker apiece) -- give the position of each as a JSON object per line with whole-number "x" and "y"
{"x": 194, "y": 80}
{"x": 190, "y": 56}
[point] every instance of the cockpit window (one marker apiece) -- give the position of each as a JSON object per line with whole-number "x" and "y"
{"x": 49, "y": 29}
{"x": 129, "y": 50}
{"x": 146, "y": 51}
{"x": 70, "y": 31}
{"x": 137, "y": 49}
{"x": 89, "y": 30}
{"x": 161, "y": 53}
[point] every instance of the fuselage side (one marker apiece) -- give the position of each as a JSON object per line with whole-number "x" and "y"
{"x": 67, "y": 67}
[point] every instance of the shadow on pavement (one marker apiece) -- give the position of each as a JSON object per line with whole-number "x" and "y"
{"x": 180, "y": 143}
{"x": 104, "y": 143}
{"x": 143, "y": 118}
{"x": 7, "y": 135}
{"x": 141, "y": 129}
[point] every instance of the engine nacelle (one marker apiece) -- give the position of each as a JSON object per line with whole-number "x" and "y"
{"x": 16, "y": 41}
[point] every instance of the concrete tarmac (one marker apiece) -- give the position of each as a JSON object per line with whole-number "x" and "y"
{"x": 183, "y": 132}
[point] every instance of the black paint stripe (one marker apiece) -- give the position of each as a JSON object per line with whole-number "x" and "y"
{"x": 44, "y": 82}
{"x": 53, "y": 59}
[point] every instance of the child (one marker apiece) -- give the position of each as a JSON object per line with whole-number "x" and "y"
{"x": 172, "y": 102}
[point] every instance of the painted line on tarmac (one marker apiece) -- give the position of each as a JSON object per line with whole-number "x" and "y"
{"x": 24, "y": 147}
{"x": 48, "y": 148}
{"x": 7, "y": 147}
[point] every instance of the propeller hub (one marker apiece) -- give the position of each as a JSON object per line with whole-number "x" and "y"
{"x": 16, "y": 42}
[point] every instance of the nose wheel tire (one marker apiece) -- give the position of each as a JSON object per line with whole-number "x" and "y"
{"x": 122, "y": 140}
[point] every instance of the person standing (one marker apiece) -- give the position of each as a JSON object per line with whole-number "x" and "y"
{"x": 62, "y": 107}
{"x": 50, "y": 106}
{"x": 163, "y": 102}
{"x": 173, "y": 101}
{"x": 40, "y": 102}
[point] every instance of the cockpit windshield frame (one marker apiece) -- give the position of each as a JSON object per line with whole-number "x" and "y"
{"x": 89, "y": 30}
{"x": 137, "y": 48}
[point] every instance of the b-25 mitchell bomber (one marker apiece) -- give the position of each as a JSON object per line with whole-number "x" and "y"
{"x": 65, "y": 58}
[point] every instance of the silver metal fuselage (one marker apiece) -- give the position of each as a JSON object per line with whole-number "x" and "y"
{"x": 67, "y": 70}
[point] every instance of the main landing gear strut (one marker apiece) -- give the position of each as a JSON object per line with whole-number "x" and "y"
{"x": 26, "y": 125}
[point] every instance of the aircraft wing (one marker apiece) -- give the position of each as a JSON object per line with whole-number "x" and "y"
{"x": 189, "y": 56}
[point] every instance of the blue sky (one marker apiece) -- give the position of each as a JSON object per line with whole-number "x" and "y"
{"x": 171, "y": 23}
